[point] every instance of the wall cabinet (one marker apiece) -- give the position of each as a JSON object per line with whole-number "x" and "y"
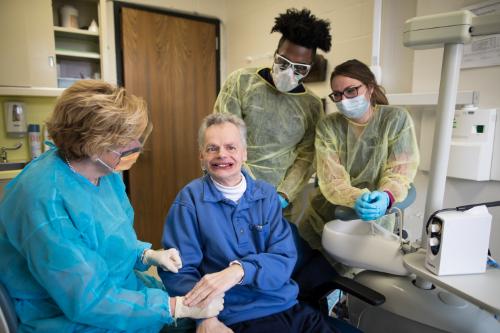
{"x": 77, "y": 47}
{"x": 38, "y": 51}
{"x": 27, "y": 58}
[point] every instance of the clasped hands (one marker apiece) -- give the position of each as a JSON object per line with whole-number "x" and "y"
{"x": 209, "y": 292}
{"x": 206, "y": 299}
{"x": 372, "y": 205}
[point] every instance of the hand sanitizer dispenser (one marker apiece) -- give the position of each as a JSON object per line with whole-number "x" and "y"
{"x": 15, "y": 119}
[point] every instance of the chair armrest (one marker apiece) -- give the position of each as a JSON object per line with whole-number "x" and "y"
{"x": 353, "y": 288}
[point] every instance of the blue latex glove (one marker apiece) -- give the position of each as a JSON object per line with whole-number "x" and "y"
{"x": 380, "y": 200}
{"x": 371, "y": 206}
{"x": 364, "y": 208}
{"x": 284, "y": 203}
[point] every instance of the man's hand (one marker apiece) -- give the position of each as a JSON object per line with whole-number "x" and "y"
{"x": 212, "y": 285}
{"x": 213, "y": 325}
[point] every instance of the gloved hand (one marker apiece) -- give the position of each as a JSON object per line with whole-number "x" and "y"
{"x": 380, "y": 200}
{"x": 284, "y": 202}
{"x": 371, "y": 206}
{"x": 364, "y": 208}
{"x": 211, "y": 310}
{"x": 168, "y": 260}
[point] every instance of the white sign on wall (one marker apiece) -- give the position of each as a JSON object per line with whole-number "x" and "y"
{"x": 483, "y": 51}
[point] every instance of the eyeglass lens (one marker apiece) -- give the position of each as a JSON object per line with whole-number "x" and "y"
{"x": 297, "y": 68}
{"x": 130, "y": 151}
{"x": 349, "y": 92}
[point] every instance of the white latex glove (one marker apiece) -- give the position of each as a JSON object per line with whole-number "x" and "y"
{"x": 213, "y": 325}
{"x": 168, "y": 260}
{"x": 211, "y": 310}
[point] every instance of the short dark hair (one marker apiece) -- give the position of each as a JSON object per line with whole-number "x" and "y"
{"x": 304, "y": 29}
{"x": 355, "y": 69}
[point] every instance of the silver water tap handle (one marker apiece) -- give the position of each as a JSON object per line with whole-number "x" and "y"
{"x": 3, "y": 151}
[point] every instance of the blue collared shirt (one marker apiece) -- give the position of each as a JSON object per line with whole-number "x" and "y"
{"x": 210, "y": 231}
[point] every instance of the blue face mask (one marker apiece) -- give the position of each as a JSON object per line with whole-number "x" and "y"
{"x": 353, "y": 108}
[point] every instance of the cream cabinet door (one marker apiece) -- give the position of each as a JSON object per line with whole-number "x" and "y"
{"x": 27, "y": 56}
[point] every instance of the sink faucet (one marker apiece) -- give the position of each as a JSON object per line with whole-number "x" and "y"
{"x": 3, "y": 151}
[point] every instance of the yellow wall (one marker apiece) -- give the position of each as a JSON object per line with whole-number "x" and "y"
{"x": 37, "y": 111}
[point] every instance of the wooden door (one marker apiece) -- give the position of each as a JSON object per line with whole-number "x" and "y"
{"x": 172, "y": 62}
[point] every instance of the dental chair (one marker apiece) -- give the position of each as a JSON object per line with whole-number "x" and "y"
{"x": 407, "y": 307}
{"x": 8, "y": 318}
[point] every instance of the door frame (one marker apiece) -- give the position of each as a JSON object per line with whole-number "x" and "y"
{"x": 117, "y": 7}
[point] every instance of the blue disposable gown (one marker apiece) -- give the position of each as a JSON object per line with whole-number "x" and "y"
{"x": 69, "y": 254}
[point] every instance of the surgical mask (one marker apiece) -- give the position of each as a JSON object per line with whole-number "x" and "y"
{"x": 126, "y": 162}
{"x": 285, "y": 79}
{"x": 353, "y": 108}
{"x": 127, "y": 159}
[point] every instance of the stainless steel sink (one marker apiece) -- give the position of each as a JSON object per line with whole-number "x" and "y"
{"x": 12, "y": 166}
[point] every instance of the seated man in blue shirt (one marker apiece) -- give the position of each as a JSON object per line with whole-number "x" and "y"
{"x": 233, "y": 239}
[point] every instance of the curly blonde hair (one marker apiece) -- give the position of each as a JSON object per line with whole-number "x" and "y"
{"x": 93, "y": 116}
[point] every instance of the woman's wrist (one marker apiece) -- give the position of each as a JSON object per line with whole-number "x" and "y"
{"x": 391, "y": 198}
{"x": 172, "y": 306}
{"x": 143, "y": 255}
{"x": 284, "y": 196}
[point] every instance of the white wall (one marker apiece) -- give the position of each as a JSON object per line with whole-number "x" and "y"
{"x": 426, "y": 77}
{"x": 248, "y": 25}
{"x": 396, "y": 60}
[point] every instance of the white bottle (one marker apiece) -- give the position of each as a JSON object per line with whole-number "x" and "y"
{"x": 69, "y": 17}
{"x": 46, "y": 139}
{"x": 34, "y": 140}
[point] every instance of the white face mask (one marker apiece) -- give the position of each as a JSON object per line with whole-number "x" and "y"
{"x": 353, "y": 108}
{"x": 285, "y": 79}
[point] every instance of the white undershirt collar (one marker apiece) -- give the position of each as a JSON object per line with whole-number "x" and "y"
{"x": 233, "y": 193}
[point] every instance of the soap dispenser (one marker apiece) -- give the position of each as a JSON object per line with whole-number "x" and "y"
{"x": 15, "y": 119}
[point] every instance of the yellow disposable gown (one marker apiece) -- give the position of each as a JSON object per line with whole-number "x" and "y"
{"x": 353, "y": 159}
{"x": 281, "y": 128}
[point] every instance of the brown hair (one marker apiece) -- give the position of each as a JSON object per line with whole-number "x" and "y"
{"x": 93, "y": 116}
{"x": 355, "y": 69}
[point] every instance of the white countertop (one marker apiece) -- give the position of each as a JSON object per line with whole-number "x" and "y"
{"x": 480, "y": 289}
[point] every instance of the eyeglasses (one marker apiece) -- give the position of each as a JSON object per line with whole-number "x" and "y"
{"x": 299, "y": 69}
{"x": 136, "y": 149}
{"x": 141, "y": 141}
{"x": 128, "y": 152}
{"x": 349, "y": 92}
